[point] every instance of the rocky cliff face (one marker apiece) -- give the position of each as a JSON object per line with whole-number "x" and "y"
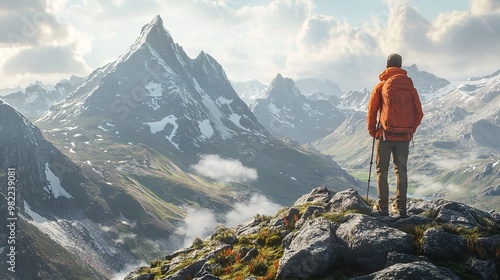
{"x": 56, "y": 210}
{"x": 329, "y": 235}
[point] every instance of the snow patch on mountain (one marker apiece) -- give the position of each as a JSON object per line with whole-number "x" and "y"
{"x": 217, "y": 117}
{"x": 54, "y": 185}
{"x": 157, "y": 126}
{"x": 33, "y": 215}
{"x": 155, "y": 89}
{"x": 206, "y": 128}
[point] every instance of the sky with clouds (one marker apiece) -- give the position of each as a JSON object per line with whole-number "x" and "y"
{"x": 343, "y": 41}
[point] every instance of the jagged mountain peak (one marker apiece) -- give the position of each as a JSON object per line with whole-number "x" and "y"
{"x": 413, "y": 67}
{"x": 154, "y": 31}
{"x": 425, "y": 82}
{"x": 155, "y": 87}
{"x": 279, "y": 80}
{"x": 154, "y": 37}
{"x": 33, "y": 88}
{"x": 282, "y": 87}
{"x": 286, "y": 112}
{"x": 11, "y": 116}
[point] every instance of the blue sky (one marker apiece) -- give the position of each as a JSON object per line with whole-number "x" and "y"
{"x": 343, "y": 41}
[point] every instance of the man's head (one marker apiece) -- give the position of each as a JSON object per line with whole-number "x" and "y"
{"x": 394, "y": 60}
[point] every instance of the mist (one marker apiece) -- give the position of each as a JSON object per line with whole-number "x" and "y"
{"x": 198, "y": 223}
{"x": 224, "y": 170}
{"x": 127, "y": 269}
{"x": 201, "y": 223}
{"x": 243, "y": 212}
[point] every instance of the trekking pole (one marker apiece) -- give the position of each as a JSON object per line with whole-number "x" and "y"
{"x": 370, "y": 173}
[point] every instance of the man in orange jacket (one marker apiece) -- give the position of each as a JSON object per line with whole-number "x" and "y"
{"x": 388, "y": 142}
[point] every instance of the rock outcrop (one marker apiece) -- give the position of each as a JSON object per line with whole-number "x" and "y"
{"x": 328, "y": 235}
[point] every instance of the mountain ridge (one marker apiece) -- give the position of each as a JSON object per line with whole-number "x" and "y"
{"x": 286, "y": 112}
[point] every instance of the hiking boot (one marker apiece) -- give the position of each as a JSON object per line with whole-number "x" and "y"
{"x": 377, "y": 211}
{"x": 397, "y": 211}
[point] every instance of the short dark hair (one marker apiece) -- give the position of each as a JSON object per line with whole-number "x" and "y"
{"x": 394, "y": 60}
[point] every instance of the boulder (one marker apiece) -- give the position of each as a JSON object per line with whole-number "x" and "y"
{"x": 366, "y": 242}
{"x": 484, "y": 269}
{"x": 490, "y": 245}
{"x": 414, "y": 270}
{"x": 460, "y": 214}
{"x": 395, "y": 258}
{"x": 312, "y": 252}
{"x": 348, "y": 200}
{"x": 438, "y": 244}
{"x": 318, "y": 195}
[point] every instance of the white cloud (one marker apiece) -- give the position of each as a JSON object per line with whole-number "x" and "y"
{"x": 198, "y": 223}
{"x": 454, "y": 40}
{"x": 201, "y": 223}
{"x": 224, "y": 170}
{"x": 244, "y": 211}
{"x": 36, "y": 45}
{"x": 485, "y": 7}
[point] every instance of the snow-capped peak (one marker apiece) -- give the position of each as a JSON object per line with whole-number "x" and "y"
{"x": 282, "y": 87}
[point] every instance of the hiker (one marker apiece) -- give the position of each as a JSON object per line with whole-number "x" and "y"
{"x": 394, "y": 113}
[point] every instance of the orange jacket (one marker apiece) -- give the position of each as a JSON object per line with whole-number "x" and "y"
{"x": 375, "y": 106}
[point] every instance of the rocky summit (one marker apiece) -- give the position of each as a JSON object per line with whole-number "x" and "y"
{"x": 335, "y": 235}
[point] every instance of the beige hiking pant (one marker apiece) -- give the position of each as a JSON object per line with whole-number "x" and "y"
{"x": 399, "y": 151}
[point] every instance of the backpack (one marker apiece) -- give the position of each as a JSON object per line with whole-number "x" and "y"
{"x": 398, "y": 110}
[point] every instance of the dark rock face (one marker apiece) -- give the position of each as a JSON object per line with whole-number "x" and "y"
{"x": 312, "y": 252}
{"x": 442, "y": 245}
{"x": 364, "y": 237}
{"x": 414, "y": 270}
{"x": 323, "y": 241}
{"x": 486, "y": 134}
{"x": 36, "y": 161}
{"x": 483, "y": 269}
{"x": 53, "y": 193}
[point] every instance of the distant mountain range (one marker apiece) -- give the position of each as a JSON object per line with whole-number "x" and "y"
{"x": 37, "y": 99}
{"x": 286, "y": 112}
{"x": 249, "y": 91}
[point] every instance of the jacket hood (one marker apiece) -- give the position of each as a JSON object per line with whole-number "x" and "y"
{"x": 391, "y": 71}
